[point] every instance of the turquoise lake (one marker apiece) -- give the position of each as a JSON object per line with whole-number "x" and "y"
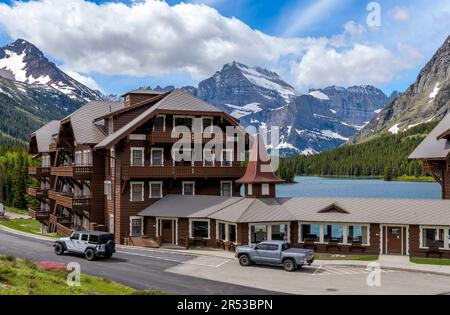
{"x": 358, "y": 188}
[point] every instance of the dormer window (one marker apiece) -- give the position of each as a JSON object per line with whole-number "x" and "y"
{"x": 186, "y": 121}
{"x": 137, "y": 157}
{"x": 159, "y": 123}
{"x": 207, "y": 124}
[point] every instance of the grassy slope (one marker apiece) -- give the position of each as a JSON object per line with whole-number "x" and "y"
{"x": 21, "y": 277}
{"x": 430, "y": 261}
{"x": 25, "y": 225}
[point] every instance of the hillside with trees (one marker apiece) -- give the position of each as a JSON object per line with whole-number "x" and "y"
{"x": 385, "y": 156}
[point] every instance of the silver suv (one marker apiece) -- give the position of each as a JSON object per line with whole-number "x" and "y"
{"x": 91, "y": 244}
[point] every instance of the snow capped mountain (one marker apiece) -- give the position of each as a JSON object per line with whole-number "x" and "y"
{"x": 22, "y": 61}
{"x": 426, "y": 100}
{"x": 311, "y": 123}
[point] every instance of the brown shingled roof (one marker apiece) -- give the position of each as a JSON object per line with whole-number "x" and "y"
{"x": 259, "y": 170}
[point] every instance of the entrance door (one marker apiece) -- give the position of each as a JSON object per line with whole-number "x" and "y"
{"x": 394, "y": 240}
{"x": 167, "y": 231}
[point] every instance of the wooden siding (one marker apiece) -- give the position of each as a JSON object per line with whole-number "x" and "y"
{"x": 129, "y": 172}
{"x": 446, "y": 182}
{"x": 39, "y": 171}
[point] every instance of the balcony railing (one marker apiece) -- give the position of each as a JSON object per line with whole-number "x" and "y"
{"x": 72, "y": 171}
{"x": 81, "y": 203}
{"x": 166, "y": 137}
{"x": 181, "y": 171}
{"x": 39, "y": 214}
{"x": 39, "y": 171}
{"x": 38, "y": 193}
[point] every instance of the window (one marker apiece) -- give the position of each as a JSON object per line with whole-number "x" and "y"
{"x": 93, "y": 239}
{"x": 183, "y": 121}
{"x": 136, "y": 226}
{"x": 183, "y": 157}
{"x": 87, "y": 158}
{"x": 108, "y": 190}
{"x": 227, "y": 157}
{"x": 199, "y": 228}
{"x": 156, "y": 190}
{"x": 226, "y": 189}
{"x": 357, "y": 234}
{"x": 258, "y": 233}
{"x": 433, "y": 237}
{"x": 157, "y": 157}
{"x": 137, "y": 191}
{"x": 265, "y": 191}
{"x": 188, "y": 188}
{"x": 333, "y": 233}
{"x": 279, "y": 232}
{"x": 310, "y": 232}
{"x": 112, "y": 159}
{"x": 78, "y": 158}
{"x": 207, "y": 123}
{"x": 208, "y": 158}
{"x": 111, "y": 223}
{"x": 137, "y": 156}
{"x": 46, "y": 161}
{"x": 110, "y": 126}
{"x": 75, "y": 236}
{"x": 84, "y": 237}
{"x": 159, "y": 123}
{"x": 232, "y": 233}
{"x": 222, "y": 234}
{"x": 249, "y": 189}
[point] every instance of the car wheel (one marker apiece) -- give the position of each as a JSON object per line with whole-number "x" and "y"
{"x": 245, "y": 261}
{"x": 289, "y": 265}
{"x": 89, "y": 254}
{"x": 59, "y": 249}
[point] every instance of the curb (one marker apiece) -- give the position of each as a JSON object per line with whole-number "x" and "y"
{"x": 30, "y": 235}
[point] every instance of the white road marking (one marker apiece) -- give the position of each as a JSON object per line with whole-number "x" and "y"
{"x": 176, "y": 260}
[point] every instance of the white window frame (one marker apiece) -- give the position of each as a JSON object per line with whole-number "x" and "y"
{"x": 188, "y": 182}
{"x": 232, "y": 158}
{"x": 226, "y": 182}
{"x": 269, "y": 230}
{"x": 213, "y": 158}
{"x": 265, "y": 190}
{"x": 322, "y": 231}
{"x": 132, "y": 149}
{"x": 78, "y": 158}
{"x": 151, "y": 156}
{"x": 110, "y": 126}
{"x": 184, "y": 116}
{"x": 184, "y": 149}
{"x": 131, "y": 191}
{"x": 131, "y": 225}
{"x": 227, "y": 231}
{"x": 164, "y": 123}
{"x": 112, "y": 158}
{"x": 212, "y": 122}
{"x": 108, "y": 190}
{"x": 433, "y": 227}
{"x": 88, "y": 154}
{"x": 199, "y": 220}
{"x": 160, "y": 190}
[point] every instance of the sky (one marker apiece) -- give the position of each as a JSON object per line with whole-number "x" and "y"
{"x": 117, "y": 46}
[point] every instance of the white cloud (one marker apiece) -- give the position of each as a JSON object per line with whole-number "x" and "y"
{"x": 83, "y": 79}
{"x": 154, "y": 38}
{"x": 400, "y": 14}
{"x": 362, "y": 63}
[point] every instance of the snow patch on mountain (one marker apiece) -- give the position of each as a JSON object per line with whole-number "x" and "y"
{"x": 319, "y": 95}
{"x": 435, "y": 92}
{"x": 334, "y": 135}
{"x": 241, "y": 111}
{"x": 308, "y": 151}
{"x": 394, "y": 129}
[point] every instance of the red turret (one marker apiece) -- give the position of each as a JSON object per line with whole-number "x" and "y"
{"x": 259, "y": 178}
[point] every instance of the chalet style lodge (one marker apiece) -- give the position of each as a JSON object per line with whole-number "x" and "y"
{"x": 109, "y": 166}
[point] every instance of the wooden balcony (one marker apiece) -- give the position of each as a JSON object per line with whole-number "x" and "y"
{"x": 79, "y": 172}
{"x": 181, "y": 172}
{"x": 38, "y": 193}
{"x": 166, "y": 137}
{"x": 80, "y": 203}
{"x": 63, "y": 230}
{"x": 39, "y": 171}
{"x": 38, "y": 214}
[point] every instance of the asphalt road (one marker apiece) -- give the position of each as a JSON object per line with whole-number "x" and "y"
{"x": 134, "y": 268}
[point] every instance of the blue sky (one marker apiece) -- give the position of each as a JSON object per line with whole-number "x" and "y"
{"x": 311, "y": 44}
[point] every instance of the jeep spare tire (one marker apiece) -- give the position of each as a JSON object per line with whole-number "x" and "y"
{"x": 59, "y": 249}
{"x": 89, "y": 254}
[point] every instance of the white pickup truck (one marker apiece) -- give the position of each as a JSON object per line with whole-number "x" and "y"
{"x": 276, "y": 253}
